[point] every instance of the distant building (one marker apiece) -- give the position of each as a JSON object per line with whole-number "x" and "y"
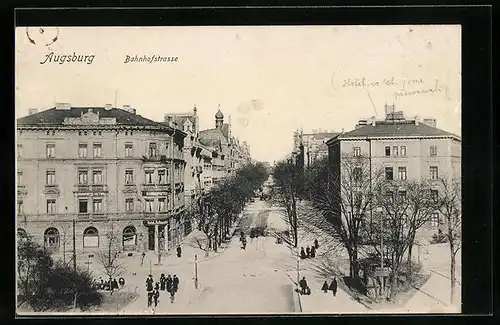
{"x": 107, "y": 169}
{"x": 403, "y": 149}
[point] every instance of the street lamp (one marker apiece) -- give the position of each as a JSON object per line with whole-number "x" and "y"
{"x": 379, "y": 210}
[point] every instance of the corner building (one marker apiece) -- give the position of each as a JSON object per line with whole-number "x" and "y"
{"x": 402, "y": 150}
{"x": 105, "y": 170}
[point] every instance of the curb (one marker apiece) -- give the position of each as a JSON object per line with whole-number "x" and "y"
{"x": 297, "y": 305}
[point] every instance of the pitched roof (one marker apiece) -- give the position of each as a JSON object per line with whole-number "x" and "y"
{"x": 398, "y": 129}
{"x": 55, "y": 116}
{"x": 321, "y": 136}
{"x": 180, "y": 119}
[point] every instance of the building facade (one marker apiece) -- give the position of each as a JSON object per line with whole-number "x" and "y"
{"x": 103, "y": 173}
{"x": 401, "y": 149}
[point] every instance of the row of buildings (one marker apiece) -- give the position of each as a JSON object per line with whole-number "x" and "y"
{"x": 101, "y": 173}
{"x": 403, "y": 149}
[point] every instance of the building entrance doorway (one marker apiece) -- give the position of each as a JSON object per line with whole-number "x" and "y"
{"x": 151, "y": 238}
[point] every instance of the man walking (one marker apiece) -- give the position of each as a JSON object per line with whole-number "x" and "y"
{"x": 333, "y": 287}
{"x": 179, "y": 251}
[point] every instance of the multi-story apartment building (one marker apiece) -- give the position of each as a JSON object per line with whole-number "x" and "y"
{"x": 313, "y": 145}
{"x": 102, "y": 172}
{"x": 401, "y": 149}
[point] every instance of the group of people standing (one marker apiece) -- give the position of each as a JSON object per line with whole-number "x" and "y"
{"x": 310, "y": 251}
{"x": 109, "y": 285}
{"x": 332, "y": 287}
{"x": 169, "y": 283}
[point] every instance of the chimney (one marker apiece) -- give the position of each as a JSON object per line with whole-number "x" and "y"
{"x": 32, "y": 111}
{"x": 108, "y": 107}
{"x": 195, "y": 110}
{"x": 417, "y": 120}
{"x": 373, "y": 120}
{"x": 63, "y": 106}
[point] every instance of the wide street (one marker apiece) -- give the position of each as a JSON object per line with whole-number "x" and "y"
{"x": 232, "y": 281}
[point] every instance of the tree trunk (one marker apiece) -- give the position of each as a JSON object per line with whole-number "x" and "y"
{"x": 452, "y": 271}
{"x": 353, "y": 263}
{"x": 207, "y": 246}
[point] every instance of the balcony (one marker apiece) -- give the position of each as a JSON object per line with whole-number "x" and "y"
{"x": 156, "y": 187}
{"x": 92, "y": 216}
{"x": 156, "y": 158}
{"x": 91, "y": 188}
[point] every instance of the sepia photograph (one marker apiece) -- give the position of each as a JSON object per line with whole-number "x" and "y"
{"x": 238, "y": 170}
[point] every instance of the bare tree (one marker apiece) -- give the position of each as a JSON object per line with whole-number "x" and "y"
{"x": 109, "y": 259}
{"x": 206, "y": 221}
{"x": 285, "y": 195}
{"x": 65, "y": 238}
{"x": 450, "y": 205}
{"x": 341, "y": 197}
{"x": 421, "y": 206}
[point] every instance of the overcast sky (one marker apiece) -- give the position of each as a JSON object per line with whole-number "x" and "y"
{"x": 270, "y": 80}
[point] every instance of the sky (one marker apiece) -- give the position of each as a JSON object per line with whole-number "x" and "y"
{"x": 270, "y": 81}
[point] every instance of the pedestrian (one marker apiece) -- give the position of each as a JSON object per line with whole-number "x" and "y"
{"x": 303, "y": 285}
{"x": 179, "y": 251}
{"x": 162, "y": 282}
{"x": 143, "y": 256}
{"x": 121, "y": 281}
{"x": 150, "y": 298}
{"x": 149, "y": 283}
{"x": 157, "y": 286}
{"x": 101, "y": 283}
{"x": 302, "y": 253}
{"x": 175, "y": 283}
{"x": 325, "y": 287}
{"x": 156, "y": 296}
{"x": 308, "y": 252}
{"x": 333, "y": 287}
{"x": 313, "y": 252}
{"x": 169, "y": 282}
{"x": 172, "y": 296}
{"x": 316, "y": 244}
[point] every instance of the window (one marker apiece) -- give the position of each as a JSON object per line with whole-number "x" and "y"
{"x": 357, "y": 174}
{"x": 357, "y": 151}
{"x": 433, "y": 170}
{"x": 152, "y": 149}
{"x": 403, "y": 150}
{"x": 434, "y": 195}
{"x": 51, "y": 238}
{"x": 129, "y": 236}
{"x": 19, "y": 150}
{"x": 395, "y": 150}
{"x": 402, "y": 173}
{"x": 435, "y": 219}
{"x": 19, "y": 178}
{"x": 97, "y": 150}
{"x": 433, "y": 150}
{"x": 83, "y": 176}
{"x": 149, "y": 205}
{"x": 97, "y": 205}
{"x": 90, "y": 237}
{"x": 402, "y": 195}
{"x": 20, "y": 207}
{"x": 129, "y": 205}
{"x": 149, "y": 176}
{"x": 51, "y": 177}
{"x": 97, "y": 177}
{"x": 128, "y": 150}
{"x": 388, "y": 174}
{"x": 83, "y": 206}
{"x": 161, "y": 204}
{"x": 50, "y": 150}
{"x": 161, "y": 176}
{"x": 387, "y": 151}
{"x": 129, "y": 176}
{"x": 51, "y": 206}
{"x": 82, "y": 150}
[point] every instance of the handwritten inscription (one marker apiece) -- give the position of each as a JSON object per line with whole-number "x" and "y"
{"x": 391, "y": 82}
{"x": 404, "y": 87}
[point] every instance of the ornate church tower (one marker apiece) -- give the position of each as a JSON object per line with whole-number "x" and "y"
{"x": 219, "y": 119}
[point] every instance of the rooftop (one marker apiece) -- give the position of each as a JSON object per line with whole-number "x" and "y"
{"x": 407, "y": 128}
{"x": 54, "y": 116}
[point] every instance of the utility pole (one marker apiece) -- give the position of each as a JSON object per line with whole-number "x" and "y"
{"x": 74, "y": 246}
{"x": 195, "y": 271}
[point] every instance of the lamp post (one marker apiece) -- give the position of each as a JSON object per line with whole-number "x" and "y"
{"x": 379, "y": 210}
{"x": 195, "y": 271}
